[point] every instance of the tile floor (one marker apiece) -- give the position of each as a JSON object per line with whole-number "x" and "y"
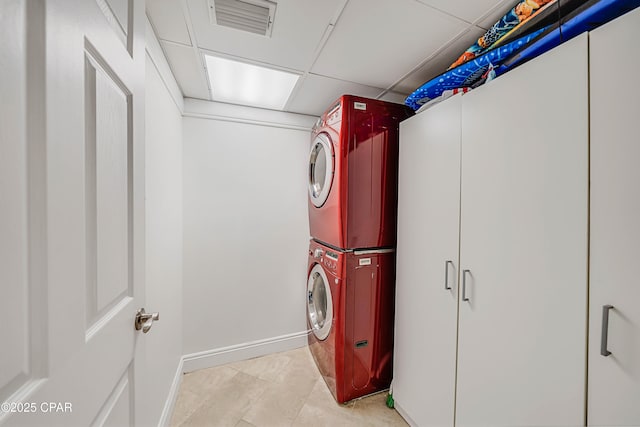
{"x": 283, "y": 389}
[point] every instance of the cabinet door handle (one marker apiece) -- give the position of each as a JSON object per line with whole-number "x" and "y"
{"x": 446, "y": 275}
{"x": 464, "y": 285}
{"x": 605, "y": 330}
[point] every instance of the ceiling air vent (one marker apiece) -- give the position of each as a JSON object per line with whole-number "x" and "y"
{"x": 254, "y": 16}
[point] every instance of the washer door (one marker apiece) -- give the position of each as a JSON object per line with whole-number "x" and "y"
{"x": 319, "y": 303}
{"x": 320, "y": 169}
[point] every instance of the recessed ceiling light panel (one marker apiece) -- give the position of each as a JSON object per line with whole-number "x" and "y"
{"x": 254, "y": 16}
{"x": 247, "y": 84}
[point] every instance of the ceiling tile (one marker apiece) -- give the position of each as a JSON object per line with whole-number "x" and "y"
{"x": 396, "y": 97}
{"x": 168, "y": 20}
{"x": 469, "y": 11}
{"x": 187, "y": 69}
{"x": 440, "y": 62}
{"x": 297, "y": 30}
{"x": 491, "y": 17}
{"x": 316, "y": 93}
{"x": 375, "y": 42}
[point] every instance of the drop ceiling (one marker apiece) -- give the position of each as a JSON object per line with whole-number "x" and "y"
{"x": 375, "y": 48}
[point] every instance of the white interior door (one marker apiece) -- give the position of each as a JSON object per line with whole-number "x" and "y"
{"x": 523, "y": 247}
{"x": 614, "y": 380}
{"x": 72, "y": 245}
{"x": 427, "y": 265}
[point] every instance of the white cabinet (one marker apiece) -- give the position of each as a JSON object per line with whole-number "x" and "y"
{"x": 614, "y": 380}
{"x": 427, "y": 265}
{"x": 519, "y": 291}
{"x": 523, "y": 241}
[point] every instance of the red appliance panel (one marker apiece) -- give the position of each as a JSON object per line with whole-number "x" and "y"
{"x": 329, "y": 353}
{"x": 361, "y": 209}
{"x": 326, "y": 222}
{"x": 372, "y": 184}
{"x": 369, "y": 323}
{"x": 356, "y": 357}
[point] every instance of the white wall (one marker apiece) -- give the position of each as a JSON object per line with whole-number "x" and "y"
{"x": 163, "y": 344}
{"x": 245, "y": 233}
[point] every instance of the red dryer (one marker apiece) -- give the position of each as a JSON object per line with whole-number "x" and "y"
{"x": 350, "y": 311}
{"x": 353, "y": 173}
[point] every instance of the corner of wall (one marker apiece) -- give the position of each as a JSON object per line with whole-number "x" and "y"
{"x": 197, "y": 108}
{"x": 163, "y": 196}
{"x": 170, "y": 404}
{"x": 159, "y": 60}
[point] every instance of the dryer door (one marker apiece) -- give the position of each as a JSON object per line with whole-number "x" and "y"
{"x": 319, "y": 302}
{"x": 321, "y": 168}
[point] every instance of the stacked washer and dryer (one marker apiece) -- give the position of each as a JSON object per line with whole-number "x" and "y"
{"x": 353, "y": 175}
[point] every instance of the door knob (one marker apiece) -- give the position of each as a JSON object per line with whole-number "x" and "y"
{"x": 145, "y": 320}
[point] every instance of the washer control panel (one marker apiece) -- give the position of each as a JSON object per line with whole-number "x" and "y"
{"x": 330, "y": 260}
{"x": 327, "y": 257}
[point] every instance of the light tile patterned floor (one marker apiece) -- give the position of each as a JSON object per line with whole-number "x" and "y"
{"x": 279, "y": 390}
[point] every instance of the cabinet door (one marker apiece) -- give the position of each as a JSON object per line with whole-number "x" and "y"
{"x": 427, "y": 265}
{"x": 614, "y": 380}
{"x": 523, "y": 247}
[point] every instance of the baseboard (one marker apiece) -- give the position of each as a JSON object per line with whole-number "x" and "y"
{"x": 236, "y": 353}
{"x": 170, "y": 404}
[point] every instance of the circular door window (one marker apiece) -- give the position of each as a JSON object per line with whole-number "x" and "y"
{"x": 320, "y": 169}
{"x": 319, "y": 302}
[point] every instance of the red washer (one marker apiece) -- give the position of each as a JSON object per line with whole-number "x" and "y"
{"x": 350, "y": 311}
{"x": 353, "y": 173}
